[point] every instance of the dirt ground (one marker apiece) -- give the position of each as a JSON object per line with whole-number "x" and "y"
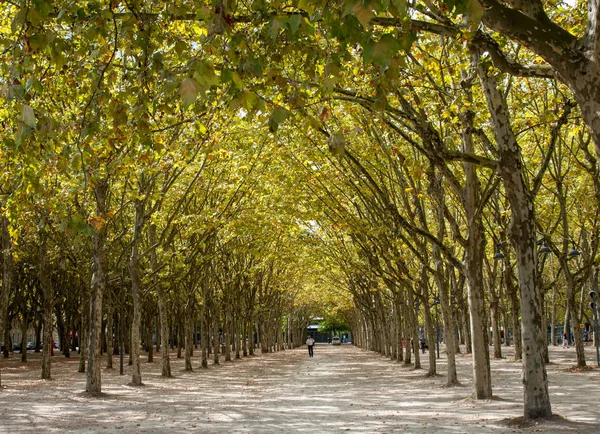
{"x": 341, "y": 389}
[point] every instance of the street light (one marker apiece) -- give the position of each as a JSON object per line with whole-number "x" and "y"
{"x": 594, "y": 306}
{"x": 498, "y": 256}
{"x": 573, "y": 252}
{"x": 436, "y": 302}
{"x": 544, "y": 250}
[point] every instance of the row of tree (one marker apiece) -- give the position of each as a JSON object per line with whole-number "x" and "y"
{"x": 181, "y": 149}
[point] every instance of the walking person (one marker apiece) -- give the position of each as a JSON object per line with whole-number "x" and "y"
{"x": 565, "y": 340}
{"x": 310, "y": 342}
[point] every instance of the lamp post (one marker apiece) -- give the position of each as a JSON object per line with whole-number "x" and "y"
{"x": 436, "y": 302}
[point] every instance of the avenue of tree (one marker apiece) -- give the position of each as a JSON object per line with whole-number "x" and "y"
{"x": 220, "y": 172}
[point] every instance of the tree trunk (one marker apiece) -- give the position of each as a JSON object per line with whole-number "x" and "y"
{"x": 136, "y": 288}
{"x": 227, "y": 336}
{"x": 474, "y": 253}
{"x": 149, "y": 336}
{"x": 553, "y": 318}
{"x": 24, "y": 338}
{"x": 48, "y": 307}
{"x": 447, "y": 319}
{"x": 110, "y": 317}
{"x": 82, "y": 338}
{"x": 188, "y": 332}
{"x": 523, "y": 235}
{"x": 204, "y": 332}
{"x": 236, "y": 337}
{"x": 7, "y": 279}
{"x": 436, "y": 189}
{"x": 215, "y": 340}
{"x": 94, "y": 373}
{"x": 409, "y": 313}
{"x": 244, "y": 340}
{"x": 494, "y": 308}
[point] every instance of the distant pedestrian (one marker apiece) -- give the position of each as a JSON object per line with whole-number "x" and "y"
{"x": 310, "y": 342}
{"x": 565, "y": 340}
{"x": 422, "y": 340}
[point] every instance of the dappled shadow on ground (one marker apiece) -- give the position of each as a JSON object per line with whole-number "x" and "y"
{"x": 341, "y": 389}
{"x": 553, "y": 423}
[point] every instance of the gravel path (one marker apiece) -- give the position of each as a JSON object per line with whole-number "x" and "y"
{"x": 342, "y": 389}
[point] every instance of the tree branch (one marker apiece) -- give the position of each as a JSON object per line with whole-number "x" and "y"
{"x": 592, "y": 31}
{"x": 541, "y": 36}
{"x": 537, "y": 182}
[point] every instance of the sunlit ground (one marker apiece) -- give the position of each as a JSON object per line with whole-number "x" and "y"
{"x": 341, "y": 389}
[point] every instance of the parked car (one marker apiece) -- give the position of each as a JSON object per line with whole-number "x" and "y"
{"x": 336, "y": 341}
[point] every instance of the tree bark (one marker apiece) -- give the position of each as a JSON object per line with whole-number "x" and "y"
{"x": 7, "y": 279}
{"x": 136, "y": 288}
{"x": 442, "y": 284}
{"x": 188, "y": 331}
{"x": 474, "y": 253}
{"x": 110, "y": 317}
{"x": 94, "y": 373}
{"x": 48, "y": 306}
{"x": 24, "y": 322}
{"x": 523, "y": 235}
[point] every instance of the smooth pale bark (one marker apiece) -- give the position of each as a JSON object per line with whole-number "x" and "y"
{"x": 204, "y": 332}
{"x": 149, "y": 330}
{"x": 399, "y": 331}
{"x": 407, "y": 330}
{"x": 515, "y": 306}
{"x": 429, "y": 325}
{"x": 48, "y": 305}
{"x": 227, "y": 337}
{"x": 164, "y": 334}
{"x": 188, "y": 333}
{"x": 250, "y": 328}
{"x": 535, "y": 381}
{"x": 573, "y": 309}
{"x": 553, "y": 317}
{"x": 414, "y": 329}
{"x": 24, "y": 322}
{"x": 437, "y": 192}
{"x": 236, "y": 337}
{"x": 7, "y": 279}
{"x": 495, "y": 317}
{"x": 162, "y": 307}
{"x": 110, "y": 342}
{"x": 474, "y": 253}
{"x": 215, "y": 341}
{"x": 82, "y": 338}
{"x": 94, "y": 373}
{"x": 136, "y": 288}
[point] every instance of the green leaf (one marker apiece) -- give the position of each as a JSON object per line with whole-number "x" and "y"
{"x": 474, "y": 13}
{"x": 278, "y": 116}
{"x": 399, "y": 8}
{"x": 406, "y": 40}
{"x": 28, "y": 116}
{"x": 307, "y": 5}
{"x": 188, "y": 91}
{"x": 180, "y": 47}
{"x": 363, "y": 13}
{"x": 276, "y": 25}
{"x": 205, "y": 75}
{"x": 18, "y": 21}
{"x": 294, "y": 22}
